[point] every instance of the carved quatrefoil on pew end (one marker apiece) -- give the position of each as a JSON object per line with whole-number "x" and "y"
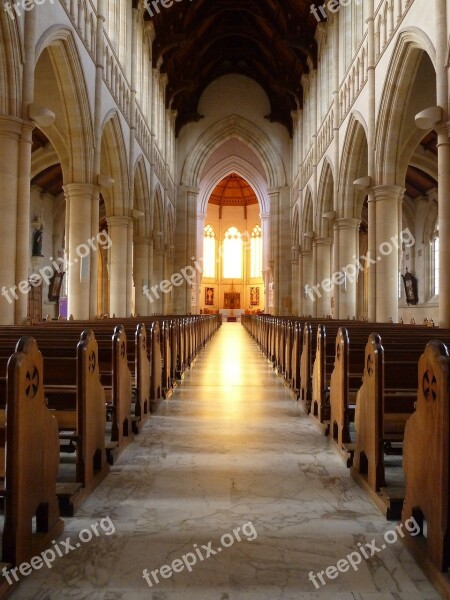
{"x": 92, "y": 362}
{"x": 32, "y": 383}
{"x": 429, "y": 386}
{"x": 369, "y": 366}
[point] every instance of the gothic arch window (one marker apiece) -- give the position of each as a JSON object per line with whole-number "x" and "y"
{"x": 209, "y": 252}
{"x": 256, "y": 252}
{"x": 232, "y": 254}
{"x": 434, "y": 255}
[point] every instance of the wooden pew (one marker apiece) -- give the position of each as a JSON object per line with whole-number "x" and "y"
{"x": 306, "y": 368}
{"x": 122, "y": 390}
{"x": 32, "y": 459}
{"x": 384, "y": 402}
{"x": 295, "y": 358}
{"x": 156, "y": 361}
{"x": 320, "y": 405}
{"x": 142, "y": 376}
{"x": 344, "y": 384}
{"x": 80, "y": 412}
{"x": 426, "y": 462}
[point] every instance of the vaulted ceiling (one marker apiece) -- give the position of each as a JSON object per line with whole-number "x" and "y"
{"x": 267, "y": 40}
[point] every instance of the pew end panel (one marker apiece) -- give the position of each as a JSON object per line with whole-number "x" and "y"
{"x": 305, "y": 368}
{"x": 156, "y": 363}
{"x": 32, "y": 459}
{"x": 122, "y": 389}
{"x": 92, "y": 465}
{"x": 369, "y": 452}
{"x": 426, "y": 458}
{"x": 142, "y": 375}
{"x": 339, "y": 392}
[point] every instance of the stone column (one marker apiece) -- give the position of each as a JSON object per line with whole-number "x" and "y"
{"x": 387, "y": 199}
{"x": 118, "y": 228}
{"x": 300, "y": 287}
{"x": 265, "y": 226}
{"x": 307, "y": 292}
{"x": 444, "y": 225}
{"x": 346, "y": 243}
{"x": 280, "y": 248}
{"x": 10, "y": 134}
{"x": 187, "y": 225}
{"x": 129, "y": 280}
{"x": 443, "y": 146}
{"x": 323, "y": 271}
{"x": 79, "y": 202}
{"x": 141, "y": 278}
{"x": 158, "y": 277}
{"x": 295, "y": 280}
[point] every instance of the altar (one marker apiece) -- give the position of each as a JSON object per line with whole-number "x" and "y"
{"x": 231, "y": 312}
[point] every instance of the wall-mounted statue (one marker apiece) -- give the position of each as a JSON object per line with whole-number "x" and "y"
{"x": 37, "y": 242}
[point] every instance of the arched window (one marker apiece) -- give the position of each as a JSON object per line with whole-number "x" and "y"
{"x": 435, "y": 262}
{"x": 232, "y": 254}
{"x": 209, "y": 252}
{"x": 256, "y": 251}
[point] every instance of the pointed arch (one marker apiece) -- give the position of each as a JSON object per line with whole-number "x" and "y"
{"x": 226, "y": 129}
{"x": 325, "y": 199}
{"x": 158, "y": 218}
{"x": 354, "y": 164}
{"x": 233, "y": 164}
{"x": 114, "y": 164}
{"x": 296, "y": 229}
{"x": 62, "y": 87}
{"x": 307, "y": 230}
{"x": 141, "y": 198}
{"x": 396, "y": 134}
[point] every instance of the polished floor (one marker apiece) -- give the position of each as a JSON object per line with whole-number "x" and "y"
{"x": 230, "y": 449}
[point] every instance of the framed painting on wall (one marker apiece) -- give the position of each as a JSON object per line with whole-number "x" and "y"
{"x": 209, "y": 296}
{"x": 254, "y": 296}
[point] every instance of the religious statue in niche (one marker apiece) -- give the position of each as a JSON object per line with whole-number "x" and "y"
{"x": 209, "y": 296}
{"x": 410, "y": 283}
{"x": 37, "y": 242}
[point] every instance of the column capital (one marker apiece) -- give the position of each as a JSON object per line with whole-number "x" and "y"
{"x": 12, "y": 127}
{"x": 322, "y": 241}
{"x": 347, "y": 223}
{"x": 192, "y": 190}
{"x": 391, "y": 193}
{"x": 118, "y": 221}
{"x": 75, "y": 190}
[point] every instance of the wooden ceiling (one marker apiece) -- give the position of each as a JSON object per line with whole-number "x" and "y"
{"x": 270, "y": 41}
{"x": 233, "y": 191}
{"x": 418, "y": 183}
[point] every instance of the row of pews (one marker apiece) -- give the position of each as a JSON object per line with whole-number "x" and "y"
{"x": 72, "y": 396}
{"x": 382, "y": 394}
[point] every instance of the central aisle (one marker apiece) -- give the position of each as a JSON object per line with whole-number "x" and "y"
{"x": 229, "y": 449}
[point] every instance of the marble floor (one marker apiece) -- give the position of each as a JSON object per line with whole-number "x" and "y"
{"x": 230, "y": 449}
